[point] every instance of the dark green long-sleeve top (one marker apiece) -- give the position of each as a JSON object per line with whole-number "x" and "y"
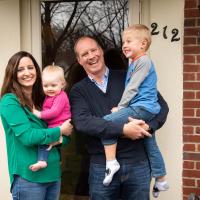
{"x": 24, "y": 131}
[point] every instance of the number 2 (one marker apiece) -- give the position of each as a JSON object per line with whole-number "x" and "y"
{"x": 175, "y": 33}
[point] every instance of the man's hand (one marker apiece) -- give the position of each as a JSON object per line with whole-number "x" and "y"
{"x": 134, "y": 129}
{"x": 145, "y": 127}
{"x": 114, "y": 109}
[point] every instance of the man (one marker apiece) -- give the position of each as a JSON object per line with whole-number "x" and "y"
{"x": 91, "y": 99}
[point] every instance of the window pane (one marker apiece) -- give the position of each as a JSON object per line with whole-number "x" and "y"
{"x": 62, "y": 23}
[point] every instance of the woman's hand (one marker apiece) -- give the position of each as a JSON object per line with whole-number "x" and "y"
{"x": 66, "y": 128}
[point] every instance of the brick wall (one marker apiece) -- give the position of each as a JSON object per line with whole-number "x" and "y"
{"x": 191, "y": 99}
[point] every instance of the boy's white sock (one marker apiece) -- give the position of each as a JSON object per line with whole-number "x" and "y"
{"x": 159, "y": 186}
{"x": 112, "y": 166}
{"x": 162, "y": 185}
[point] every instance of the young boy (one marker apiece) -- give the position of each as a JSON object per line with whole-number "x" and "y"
{"x": 139, "y": 101}
{"x": 55, "y": 109}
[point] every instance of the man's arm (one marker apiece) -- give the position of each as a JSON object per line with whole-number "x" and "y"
{"x": 87, "y": 123}
{"x": 158, "y": 121}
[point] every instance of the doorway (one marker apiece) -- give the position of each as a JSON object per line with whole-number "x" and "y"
{"x": 62, "y": 23}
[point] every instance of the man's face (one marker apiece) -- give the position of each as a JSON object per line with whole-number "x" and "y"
{"x": 90, "y": 56}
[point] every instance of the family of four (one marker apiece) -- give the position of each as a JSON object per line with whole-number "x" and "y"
{"x": 119, "y": 112}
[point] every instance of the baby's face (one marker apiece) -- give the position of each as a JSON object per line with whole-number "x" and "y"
{"x": 52, "y": 85}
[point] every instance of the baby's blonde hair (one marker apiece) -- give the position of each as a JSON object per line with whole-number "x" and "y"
{"x": 55, "y": 69}
{"x": 140, "y": 31}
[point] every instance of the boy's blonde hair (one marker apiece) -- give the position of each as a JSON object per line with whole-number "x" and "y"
{"x": 140, "y": 31}
{"x": 56, "y": 70}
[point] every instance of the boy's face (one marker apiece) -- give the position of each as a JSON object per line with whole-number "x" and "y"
{"x": 133, "y": 46}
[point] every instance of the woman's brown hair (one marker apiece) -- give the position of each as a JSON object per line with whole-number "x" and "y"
{"x": 11, "y": 84}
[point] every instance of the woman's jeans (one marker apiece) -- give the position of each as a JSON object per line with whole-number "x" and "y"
{"x": 155, "y": 157}
{"x": 131, "y": 182}
{"x": 26, "y": 190}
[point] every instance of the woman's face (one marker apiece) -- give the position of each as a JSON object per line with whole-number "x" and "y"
{"x": 26, "y": 73}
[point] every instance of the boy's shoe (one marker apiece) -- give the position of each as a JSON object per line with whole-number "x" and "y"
{"x": 155, "y": 192}
{"x": 193, "y": 196}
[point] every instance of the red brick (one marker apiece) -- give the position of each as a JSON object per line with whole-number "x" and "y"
{"x": 188, "y": 112}
{"x": 191, "y": 49}
{"x": 190, "y": 4}
{"x": 190, "y": 40}
{"x": 198, "y": 112}
{"x": 191, "y": 85}
{"x": 191, "y": 104}
{"x": 188, "y": 165}
{"x": 191, "y": 121}
{"x": 190, "y": 22}
{"x": 188, "y": 130}
{"x": 189, "y": 147}
{"x": 197, "y": 165}
{"x": 187, "y": 191}
{"x": 191, "y": 173}
{"x": 191, "y": 139}
{"x": 189, "y": 95}
{"x": 198, "y": 40}
{"x": 189, "y": 76}
{"x": 198, "y": 95}
{"x": 198, "y": 59}
{"x": 190, "y": 13}
{"x": 191, "y": 156}
{"x": 189, "y": 59}
{"x": 191, "y": 31}
{"x": 198, "y": 147}
{"x": 198, "y": 183}
{"x": 191, "y": 68}
{"x": 188, "y": 182}
{"x": 197, "y": 130}
{"x": 198, "y": 76}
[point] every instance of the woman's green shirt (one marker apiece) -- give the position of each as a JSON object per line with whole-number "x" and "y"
{"x": 24, "y": 131}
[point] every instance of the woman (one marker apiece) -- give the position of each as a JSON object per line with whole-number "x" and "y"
{"x": 21, "y": 92}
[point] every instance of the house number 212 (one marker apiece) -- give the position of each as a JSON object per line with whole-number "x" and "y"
{"x": 174, "y": 32}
